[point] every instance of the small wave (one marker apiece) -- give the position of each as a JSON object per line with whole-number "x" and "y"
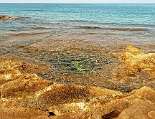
{"x": 151, "y": 25}
{"x": 79, "y": 21}
{"x": 113, "y": 29}
{"x": 37, "y": 10}
{"x": 89, "y": 27}
{"x": 38, "y": 28}
{"x": 127, "y": 29}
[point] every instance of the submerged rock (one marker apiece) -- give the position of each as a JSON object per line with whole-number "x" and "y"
{"x": 5, "y": 17}
{"x": 25, "y": 95}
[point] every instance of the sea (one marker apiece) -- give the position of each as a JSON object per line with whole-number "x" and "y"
{"x": 127, "y": 22}
{"x": 39, "y": 15}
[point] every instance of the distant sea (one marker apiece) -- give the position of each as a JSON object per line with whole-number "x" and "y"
{"x": 71, "y": 15}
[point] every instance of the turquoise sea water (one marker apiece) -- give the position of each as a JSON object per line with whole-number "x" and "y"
{"x": 37, "y": 15}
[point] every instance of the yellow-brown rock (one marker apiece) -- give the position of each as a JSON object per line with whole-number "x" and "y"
{"x": 25, "y": 95}
{"x": 5, "y": 17}
{"x": 134, "y": 62}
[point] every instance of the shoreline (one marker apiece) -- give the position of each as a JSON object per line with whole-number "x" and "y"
{"x": 76, "y": 71}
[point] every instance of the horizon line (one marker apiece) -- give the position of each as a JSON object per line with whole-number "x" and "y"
{"x": 84, "y": 2}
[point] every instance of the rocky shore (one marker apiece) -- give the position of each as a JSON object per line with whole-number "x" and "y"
{"x": 77, "y": 61}
{"x": 46, "y": 75}
{"x": 26, "y": 95}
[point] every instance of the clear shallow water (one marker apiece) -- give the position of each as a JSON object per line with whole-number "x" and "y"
{"x": 140, "y": 15}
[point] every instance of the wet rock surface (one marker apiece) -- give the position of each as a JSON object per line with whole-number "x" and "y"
{"x": 25, "y": 95}
{"x": 5, "y": 18}
{"x": 46, "y": 78}
{"x": 10, "y": 18}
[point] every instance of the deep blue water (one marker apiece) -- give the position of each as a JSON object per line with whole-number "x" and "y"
{"x": 103, "y": 14}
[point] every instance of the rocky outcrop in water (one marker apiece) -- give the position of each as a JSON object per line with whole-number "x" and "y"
{"x": 5, "y": 18}
{"x": 8, "y": 18}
